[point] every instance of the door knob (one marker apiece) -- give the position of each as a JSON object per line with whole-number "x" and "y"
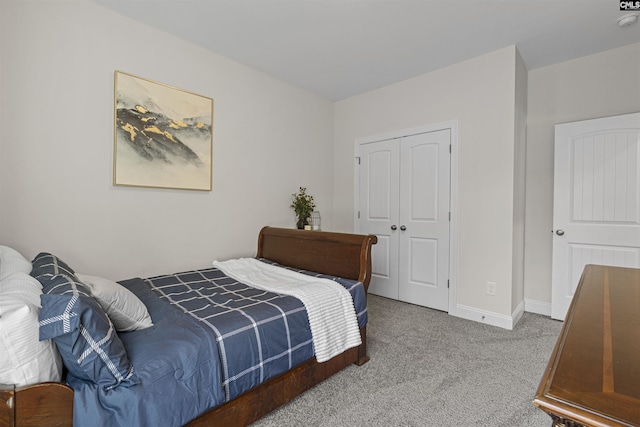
{"x": 394, "y": 227}
{"x": 402, "y": 227}
{"x": 560, "y": 232}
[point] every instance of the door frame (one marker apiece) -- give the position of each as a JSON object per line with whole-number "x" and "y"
{"x": 452, "y": 126}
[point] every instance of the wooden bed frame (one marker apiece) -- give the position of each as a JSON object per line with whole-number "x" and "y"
{"x": 337, "y": 254}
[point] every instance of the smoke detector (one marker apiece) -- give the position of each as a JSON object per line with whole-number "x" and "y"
{"x": 628, "y": 19}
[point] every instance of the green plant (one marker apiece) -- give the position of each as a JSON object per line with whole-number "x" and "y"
{"x": 302, "y": 204}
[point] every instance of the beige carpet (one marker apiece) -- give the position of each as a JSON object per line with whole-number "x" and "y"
{"x": 431, "y": 369}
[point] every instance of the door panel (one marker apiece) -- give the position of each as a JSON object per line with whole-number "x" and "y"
{"x": 423, "y": 181}
{"x": 380, "y": 168}
{"x": 605, "y": 177}
{"x": 596, "y": 201}
{"x": 379, "y": 181}
{"x": 423, "y": 256}
{"x": 580, "y": 255}
{"x": 380, "y": 258}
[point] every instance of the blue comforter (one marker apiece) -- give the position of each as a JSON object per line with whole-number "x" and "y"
{"x": 213, "y": 339}
{"x": 178, "y": 366}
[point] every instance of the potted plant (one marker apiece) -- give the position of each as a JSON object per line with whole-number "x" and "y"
{"x": 303, "y": 205}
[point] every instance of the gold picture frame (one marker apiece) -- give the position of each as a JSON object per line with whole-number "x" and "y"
{"x": 163, "y": 136}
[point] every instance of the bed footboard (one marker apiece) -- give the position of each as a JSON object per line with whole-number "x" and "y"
{"x": 278, "y": 391}
{"x": 44, "y": 404}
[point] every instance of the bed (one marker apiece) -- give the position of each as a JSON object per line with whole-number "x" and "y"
{"x": 315, "y": 253}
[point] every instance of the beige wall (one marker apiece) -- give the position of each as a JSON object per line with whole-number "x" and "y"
{"x": 480, "y": 94}
{"x": 600, "y": 85}
{"x": 56, "y": 136}
{"x": 56, "y": 141}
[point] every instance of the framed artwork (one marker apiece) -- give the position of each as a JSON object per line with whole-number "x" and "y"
{"x": 163, "y": 136}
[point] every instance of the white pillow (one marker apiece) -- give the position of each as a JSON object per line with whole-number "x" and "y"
{"x": 124, "y": 308}
{"x": 12, "y": 262}
{"x": 24, "y": 360}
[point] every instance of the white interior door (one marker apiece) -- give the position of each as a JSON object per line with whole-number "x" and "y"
{"x": 424, "y": 219}
{"x": 404, "y": 200}
{"x": 379, "y": 199}
{"x": 596, "y": 210}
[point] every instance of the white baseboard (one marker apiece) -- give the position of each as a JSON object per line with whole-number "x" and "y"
{"x": 538, "y": 307}
{"x": 490, "y": 318}
{"x": 517, "y": 313}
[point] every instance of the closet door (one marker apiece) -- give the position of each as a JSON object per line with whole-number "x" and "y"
{"x": 404, "y": 201}
{"x": 423, "y": 259}
{"x": 379, "y": 201}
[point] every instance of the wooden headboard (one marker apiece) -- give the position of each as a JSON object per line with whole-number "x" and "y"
{"x": 338, "y": 254}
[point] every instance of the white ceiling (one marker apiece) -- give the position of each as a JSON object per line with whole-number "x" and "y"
{"x": 341, "y": 48}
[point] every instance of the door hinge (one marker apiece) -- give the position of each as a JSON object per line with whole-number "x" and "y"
{"x": 358, "y": 214}
{"x": 447, "y": 283}
{"x": 358, "y": 159}
{"x": 449, "y": 148}
{"x": 449, "y": 216}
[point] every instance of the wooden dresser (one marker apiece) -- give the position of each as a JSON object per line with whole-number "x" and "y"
{"x": 593, "y": 377}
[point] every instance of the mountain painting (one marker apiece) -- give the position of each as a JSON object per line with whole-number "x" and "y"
{"x": 163, "y": 135}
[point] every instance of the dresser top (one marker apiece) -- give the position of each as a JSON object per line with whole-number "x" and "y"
{"x": 593, "y": 376}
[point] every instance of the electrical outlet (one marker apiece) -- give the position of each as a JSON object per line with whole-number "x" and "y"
{"x": 491, "y": 288}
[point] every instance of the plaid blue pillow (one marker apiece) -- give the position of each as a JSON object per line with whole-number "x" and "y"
{"x": 86, "y": 339}
{"x": 46, "y": 264}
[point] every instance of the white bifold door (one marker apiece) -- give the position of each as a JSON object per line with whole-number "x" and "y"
{"x": 596, "y": 208}
{"x": 404, "y": 186}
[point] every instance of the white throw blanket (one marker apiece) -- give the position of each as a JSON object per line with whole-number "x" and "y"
{"x": 332, "y": 316}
